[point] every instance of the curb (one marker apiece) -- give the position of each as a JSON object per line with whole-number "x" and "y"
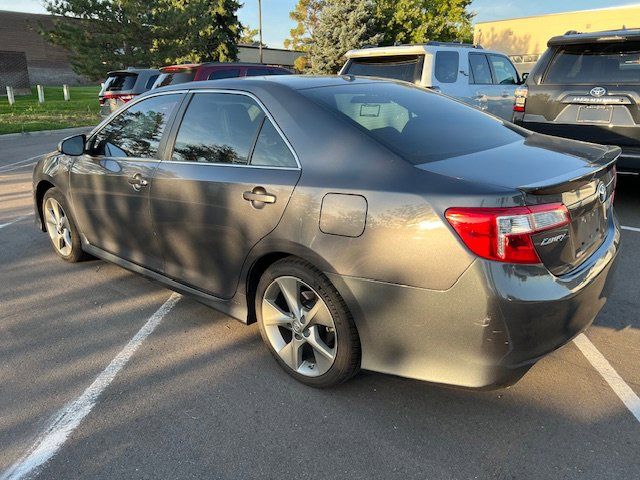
{"x": 71, "y": 131}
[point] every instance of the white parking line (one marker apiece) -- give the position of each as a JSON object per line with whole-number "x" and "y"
{"x": 604, "y": 368}
{"x": 66, "y": 421}
{"x": 15, "y": 220}
{"x": 19, "y": 162}
{"x": 631, "y": 229}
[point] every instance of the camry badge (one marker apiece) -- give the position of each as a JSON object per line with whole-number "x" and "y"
{"x": 598, "y": 91}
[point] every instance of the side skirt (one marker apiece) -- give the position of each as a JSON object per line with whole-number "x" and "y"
{"x": 235, "y": 307}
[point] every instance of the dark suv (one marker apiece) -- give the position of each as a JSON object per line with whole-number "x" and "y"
{"x": 586, "y": 87}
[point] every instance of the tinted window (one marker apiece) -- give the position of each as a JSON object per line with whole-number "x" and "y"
{"x": 601, "y": 63}
{"x": 279, "y": 71}
{"x": 503, "y": 70}
{"x": 218, "y": 128}
{"x": 137, "y": 131}
{"x": 480, "y": 71}
{"x": 254, "y": 72}
{"x": 120, "y": 81}
{"x": 173, "y": 78}
{"x": 418, "y": 125}
{"x": 151, "y": 81}
{"x": 226, "y": 73}
{"x": 406, "y": 67}
{"x": 446, "y": 68}
{"x": 270, "y": 149}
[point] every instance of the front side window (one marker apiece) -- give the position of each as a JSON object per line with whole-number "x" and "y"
{"x": 479, "y": 67}
{"x": 446, "y": 67}
{"x": 218, "y": 128}
{"x": 257, "y": 71}
{"x": 595, "y": 63}
{"x": 504, "y": 71}
{"x": 137, "y": 131}
{"x": 418, "y": 125}
{"x": 407, "y": 68}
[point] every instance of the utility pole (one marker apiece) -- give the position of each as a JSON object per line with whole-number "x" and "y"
{"x": 260, "y": 26}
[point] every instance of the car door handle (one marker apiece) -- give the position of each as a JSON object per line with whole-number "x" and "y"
{"x": 259, "y": 197}
{"x": 137, "y": 181}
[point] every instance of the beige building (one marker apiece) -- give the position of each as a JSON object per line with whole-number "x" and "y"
{"x": 525, "y": 39}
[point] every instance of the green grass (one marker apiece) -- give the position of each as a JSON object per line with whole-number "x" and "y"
{"x": 27, "y": 115}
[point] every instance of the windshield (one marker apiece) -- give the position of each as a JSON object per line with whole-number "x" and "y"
{"x": 419, "y": 125}
{"x": 596, "y": 63}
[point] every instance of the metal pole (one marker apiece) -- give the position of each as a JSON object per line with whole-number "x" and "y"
{"x": 10, "y": 97}
{"x": 260, "y": 26}
{"x": 65, "y": 92}
{"x": 40, "y": 94}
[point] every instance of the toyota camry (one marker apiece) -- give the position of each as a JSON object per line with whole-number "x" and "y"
{"x": 361, "y": 223}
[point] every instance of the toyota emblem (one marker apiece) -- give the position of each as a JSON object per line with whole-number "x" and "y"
{"x": 602, "y": 192}
{"x": 598, "y": 91}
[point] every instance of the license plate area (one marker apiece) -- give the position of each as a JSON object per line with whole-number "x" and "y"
{"x": 595, "y": 114}
{"x": 588, "y": 231}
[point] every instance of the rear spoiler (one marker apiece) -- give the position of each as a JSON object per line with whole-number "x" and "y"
{"x": 600, "y": 37}
{"x": 578, "y": 177}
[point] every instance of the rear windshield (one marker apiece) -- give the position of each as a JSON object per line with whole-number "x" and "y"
{"x": 595, "y": 63}
{"x": 120, "y": 81}
{"x": 419, "y": 125}
{"x": 407, "y": 68}
{"x": 172, "y": 78}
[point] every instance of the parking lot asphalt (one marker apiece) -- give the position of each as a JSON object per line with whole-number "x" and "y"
{"x": 202, "y": 398}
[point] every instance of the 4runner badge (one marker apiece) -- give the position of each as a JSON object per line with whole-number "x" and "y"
{"x": 598, "y": 91}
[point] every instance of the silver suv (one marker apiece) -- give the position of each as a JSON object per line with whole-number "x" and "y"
{"x": 482, "y": 78}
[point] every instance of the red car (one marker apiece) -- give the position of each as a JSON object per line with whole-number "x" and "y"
{"x": 191, "y": 72}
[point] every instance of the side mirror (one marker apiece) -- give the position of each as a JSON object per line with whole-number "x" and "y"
{"x": 524, "y": 77}
{"x": 73, "y": 146}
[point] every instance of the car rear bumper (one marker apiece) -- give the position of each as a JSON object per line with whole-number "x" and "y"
{"x": 628, "y": 138}
{"x": 488, "y": 329}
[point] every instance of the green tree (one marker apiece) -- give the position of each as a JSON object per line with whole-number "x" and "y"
{"x": 418, "y": 21}
{"x": 342, "y": 26}
{"x": 305, "y": 14}
{"x": 248, "y": 35}
{"x": 105, "y": 35}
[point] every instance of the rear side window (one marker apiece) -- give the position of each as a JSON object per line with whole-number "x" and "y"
{"x": 480, "y": 70}
{"x": 504, "y": 72}
{"x": 173, "y": 78}
{"x": 401, "y": 67}
{"x": 151, "y": 81}
{"x": 446, "y": 67}
{"x": 225, "y": 73}
{"x": 270, "y": 149}
{"x": 279, "y": 71}
{"x": 218, "y": 128}
{"x": 137, "y": 131}
{"x": 418, "y": 125}
{"x": 254, "y": 72}
{"x": 120, "y": 82}
{"x": 595, "y": 63}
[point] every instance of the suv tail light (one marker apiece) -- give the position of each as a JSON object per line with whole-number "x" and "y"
{"x": 521, "y": 93}
{"x": 124, "y": 97}
{"x": 504, "y": 234}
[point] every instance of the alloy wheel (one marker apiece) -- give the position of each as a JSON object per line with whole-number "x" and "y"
{"x": 299, "y": 326}
{"x": 58, "y": 226}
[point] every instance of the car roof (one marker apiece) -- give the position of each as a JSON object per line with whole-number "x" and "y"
{"x": 293, "y": 82}
{"x": 133, "y": 70}
{"x": 193, "y": 66}
{"x": 416, "y": 49}
{"x": 573, "y": 38}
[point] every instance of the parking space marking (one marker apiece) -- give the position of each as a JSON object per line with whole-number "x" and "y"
{"x": 631, "y": 229}
{"x": 66, "y": 421}
{"x": 26, "y": 160}
{"x": 15, "y": 220}
{"x": 604, "y": 368}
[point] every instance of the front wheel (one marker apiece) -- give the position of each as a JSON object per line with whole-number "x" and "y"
{"x": 61, "y": 227}
{"x": 306, "y": 324}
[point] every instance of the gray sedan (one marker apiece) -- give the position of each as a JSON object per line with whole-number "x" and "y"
{"x": 362, "y": 223}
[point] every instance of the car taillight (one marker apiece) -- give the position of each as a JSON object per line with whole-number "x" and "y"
{"x": 521, "y": 93}
{"x": 504, "y": 234}
{"x": 117, "y": 96}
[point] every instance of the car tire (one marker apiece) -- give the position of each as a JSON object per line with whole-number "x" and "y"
{"x": 61, "y": 227}
{"x": 306, "y": 340}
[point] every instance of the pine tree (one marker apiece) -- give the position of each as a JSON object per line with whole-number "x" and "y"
{"x": 305, "y": 14}
{"x": 342, "y": 26}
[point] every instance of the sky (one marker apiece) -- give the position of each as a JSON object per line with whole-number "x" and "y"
{"x": 276, "y": 22}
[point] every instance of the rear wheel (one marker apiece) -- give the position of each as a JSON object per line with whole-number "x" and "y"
{"x": 61, "y": 227}
{"x": 306, "y": 324}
